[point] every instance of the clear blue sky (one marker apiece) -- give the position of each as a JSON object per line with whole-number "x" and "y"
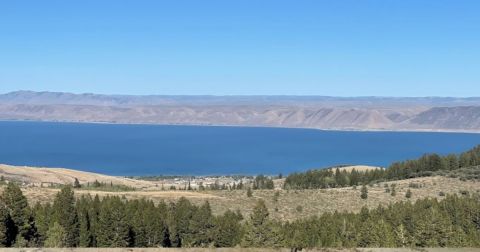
{"x": 336, "y": 47}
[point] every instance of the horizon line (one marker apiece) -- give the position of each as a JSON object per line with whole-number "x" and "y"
{"x": 243, "y": 95}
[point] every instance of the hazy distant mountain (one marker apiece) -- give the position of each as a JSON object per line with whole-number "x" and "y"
{"x": 322, "y": 112}
{"x": 30, "y": 97}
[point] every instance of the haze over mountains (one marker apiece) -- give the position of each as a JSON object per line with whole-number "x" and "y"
{"x": 319, "y": 112}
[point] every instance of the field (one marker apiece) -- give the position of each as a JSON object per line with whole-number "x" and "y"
{"x": 282, "y": 204}
{"x": 239, "y": 250}
{"x": 39, "y": 176}
{"x": 290, "y": 204}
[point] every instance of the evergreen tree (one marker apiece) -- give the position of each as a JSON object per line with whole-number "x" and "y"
{"x": 393, "y": 192}
{"x": 42, "y": 215}
{"x": 200, "y": 227}
{"x": 76, "y": 183}
{"x": 65, "y": 214}
{"x": 113, "y": 228}
{"x": 408, "y": 194}
{"x": 432, "y": 229}
{"x": 93, "y": 213}
{"x": 179, "y": 218}
{"x": 20, "y": 241}
{"x": 341, "y": 178}
{"x": 249, "y": 192}
{"x": 376, "y": 233}
{"x": 260, "y": 231}
{"x": 227, "y": 229}
{"x": 4, "y": 222}
{"x": 364, "y": 192}
{"x": 85, "y": 234}
{"x": 56, "y": 236}
{"x": 148, "y": 223}
{"x": 17, "y": 206}
{"x": 276, "y": 195}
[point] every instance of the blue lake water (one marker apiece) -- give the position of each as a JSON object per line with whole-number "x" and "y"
{"x": 195, "y": 150}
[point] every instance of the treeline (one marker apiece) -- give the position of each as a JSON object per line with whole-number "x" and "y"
{"x": 118, "y": 222}
{"x": 427, "y": 165}
{"x": 452, "y": 222}
{"x": 112, "y": 222}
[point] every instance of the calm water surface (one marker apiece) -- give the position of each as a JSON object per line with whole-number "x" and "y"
{"x": 194, "y": 150}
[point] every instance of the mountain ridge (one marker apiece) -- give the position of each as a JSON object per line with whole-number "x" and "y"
{"x": 318, "y": 112}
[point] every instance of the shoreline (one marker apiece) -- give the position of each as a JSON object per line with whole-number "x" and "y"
{"x": 252, "y": 126}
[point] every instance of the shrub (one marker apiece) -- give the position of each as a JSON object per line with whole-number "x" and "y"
{"x": 364, "y": 194}
{"x": 408, "y": 195}
{"x": 414, "y": 185}
{"x": 276, "y": 196}
{"x": 249, "y": 192}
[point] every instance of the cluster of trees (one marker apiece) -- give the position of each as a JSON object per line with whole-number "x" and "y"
{"x": 426, "y": 165}
{"x": 217, "y": 186}
{"x": 112, "y": 222}
{"x": 262, "y": 182}
{"x": 118, "y": 222}
{"x": 330, "y": 178}
{"x": 452, "y": 222}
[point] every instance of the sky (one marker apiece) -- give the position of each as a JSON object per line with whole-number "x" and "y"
{"x": 242, "y": 47}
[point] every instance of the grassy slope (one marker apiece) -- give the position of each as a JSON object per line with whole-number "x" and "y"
{"x": 311, "y": 202}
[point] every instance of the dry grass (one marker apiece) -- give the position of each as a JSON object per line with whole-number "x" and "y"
{"x": 291, "y": 204}
{"x": 235, "y": 249}
{"x": 38, "y": 175}
{"x": 359, "y": 168}
{"x": 318, "y": 201}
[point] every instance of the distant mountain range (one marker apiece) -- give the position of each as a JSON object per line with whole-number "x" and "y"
{"x": 320, "y": 112}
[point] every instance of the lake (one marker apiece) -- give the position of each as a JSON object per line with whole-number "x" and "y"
{"x": 118, "y": 149}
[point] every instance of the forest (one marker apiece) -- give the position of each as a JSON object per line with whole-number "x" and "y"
{"x": 427, "y": 165}
{"x": 118, "y": 222}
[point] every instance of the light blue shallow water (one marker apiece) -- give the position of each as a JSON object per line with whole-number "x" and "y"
{"x": 194, "y": 150}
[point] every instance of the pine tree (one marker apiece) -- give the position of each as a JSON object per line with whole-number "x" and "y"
{"x": 20, "y": 241}
{"x": 56, "y": 236}
{"x": 147, "y": 223}
{"x": 376, "y": 233}
{"x": 42, "y": 215}
{"x": 227, "y": 229}
{"x": 249, "y": 192}
{"x": 179, "y": 217}
{"x": 113, "y": 228}
{"x": 340, "y": 178}
{"x": 4, "y": 221}
{"x": 76, "y": 183}
{"x": 364, "y": 192}
{"x": 393, "y": 193}
{"x": 276, "y": 195}
{"x": 408, "y": 194}
{"x": 200, "y": 227}
{"x": 17, "y": 206}
{"x": 401, "y": 236}
{"x": 260, "y": 231}
{"x": 85, "y": 233}
{"x": 93, "y": 213}
{"x": 65, "y": 214}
